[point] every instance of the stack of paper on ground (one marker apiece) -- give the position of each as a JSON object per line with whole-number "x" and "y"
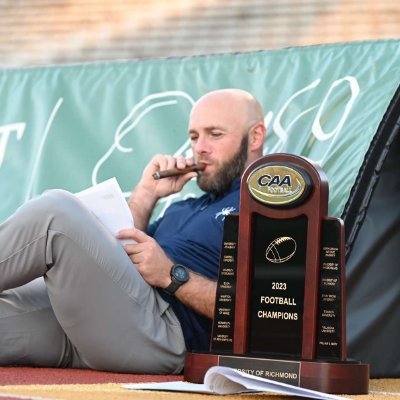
{"x": 224, "y": 380}
{"x": 108, "y": 204}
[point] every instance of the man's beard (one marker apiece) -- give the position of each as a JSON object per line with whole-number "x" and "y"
{"x": 229, "y": 170}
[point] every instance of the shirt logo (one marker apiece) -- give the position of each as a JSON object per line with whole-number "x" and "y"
{"x": 224, "y": 212}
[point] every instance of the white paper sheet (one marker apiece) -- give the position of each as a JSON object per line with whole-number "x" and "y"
{"x": 224, "y": 380}
{"x": 108, "y": 204}
{"x": 175, "y": 386}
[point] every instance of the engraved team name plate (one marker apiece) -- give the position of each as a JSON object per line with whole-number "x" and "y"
{"x": 280, "y": 305}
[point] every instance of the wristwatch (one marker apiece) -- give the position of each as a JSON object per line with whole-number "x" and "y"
{"x": 179, "y": 275}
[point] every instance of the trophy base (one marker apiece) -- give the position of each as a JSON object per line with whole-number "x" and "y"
{"x": 343, "y": 377}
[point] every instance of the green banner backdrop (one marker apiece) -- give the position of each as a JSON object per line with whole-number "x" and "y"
{"x": 73, "y": 126}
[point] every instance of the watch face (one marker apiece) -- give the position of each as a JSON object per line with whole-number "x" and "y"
{"x": 180, "y": 273}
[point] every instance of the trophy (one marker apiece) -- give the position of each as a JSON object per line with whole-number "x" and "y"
{"x": 280, "y": 308}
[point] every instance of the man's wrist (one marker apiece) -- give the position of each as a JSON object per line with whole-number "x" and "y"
{"x": 179, "y": 275}
{"x": 141, "y": 203}
{"x": 142, "y": 196}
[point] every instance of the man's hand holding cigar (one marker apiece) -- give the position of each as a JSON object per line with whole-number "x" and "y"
{"x": 163, "y": 176}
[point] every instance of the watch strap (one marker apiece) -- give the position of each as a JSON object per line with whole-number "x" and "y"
{"x": 172, "y": 287}
{"x": 176, "y": 283}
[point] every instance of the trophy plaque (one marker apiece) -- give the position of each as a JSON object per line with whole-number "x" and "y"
{"x": 280, "y": 306}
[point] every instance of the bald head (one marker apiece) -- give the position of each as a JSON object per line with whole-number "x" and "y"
{"x": 240, "y": 106}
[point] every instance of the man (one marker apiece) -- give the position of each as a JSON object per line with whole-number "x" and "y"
{"x": 108, "y": 307}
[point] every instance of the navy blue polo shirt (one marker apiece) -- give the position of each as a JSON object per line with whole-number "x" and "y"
{"x": 190, "y": 232}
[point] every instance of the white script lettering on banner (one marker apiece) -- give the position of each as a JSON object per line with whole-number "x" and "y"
{"x": 5, "y": 133}
{"x": 282, "y": 133}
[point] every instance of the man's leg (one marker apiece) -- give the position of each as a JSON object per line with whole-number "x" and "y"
{"x": 30, "y": 333}
{"x": 112, "y": 316}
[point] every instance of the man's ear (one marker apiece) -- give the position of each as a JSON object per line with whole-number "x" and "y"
{"x": 257, "y": 136}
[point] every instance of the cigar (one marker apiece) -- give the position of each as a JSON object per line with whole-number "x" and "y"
{"x": 176, "y": 171}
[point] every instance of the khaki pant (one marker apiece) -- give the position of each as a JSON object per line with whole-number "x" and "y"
{"x": 71, "y": 297}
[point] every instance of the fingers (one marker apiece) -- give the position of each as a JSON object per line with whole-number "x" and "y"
{"x": 136, "y": 234}
{"x": 165, "y": 161}
{"x": 133, "y": 250}
{"x": 182, "y": 162}
{"x": 142, "y": 243}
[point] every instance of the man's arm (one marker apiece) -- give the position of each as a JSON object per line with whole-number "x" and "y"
{"x": 198, "y": 293}
{"x": 155, "y": 266}
{"x": 141, "y": 203}
{"x": 149, "y": 190}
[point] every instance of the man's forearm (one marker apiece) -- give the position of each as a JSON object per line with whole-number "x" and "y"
{"x": 198, "y": 294}
{"x": 141, "y": 204}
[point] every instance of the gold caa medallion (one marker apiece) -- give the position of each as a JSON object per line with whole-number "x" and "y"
{"x": 276, "y": 184}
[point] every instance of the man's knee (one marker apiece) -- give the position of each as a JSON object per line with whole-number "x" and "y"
{"x": 57, "y": 200}
{"x": 57, "y": 204}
